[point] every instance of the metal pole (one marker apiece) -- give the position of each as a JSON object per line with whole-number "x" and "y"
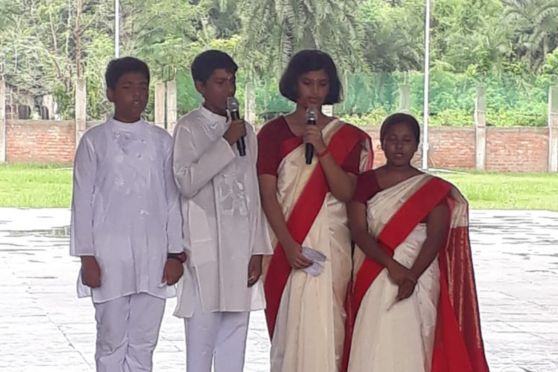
{"x": 426, "y": 85}
{"x": 3, "y": 152}
{"x": 116, "y": 28}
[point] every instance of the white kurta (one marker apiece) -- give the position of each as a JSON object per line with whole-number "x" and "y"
{"x": 125, "y": 208}
{"x": 223, "y": 219}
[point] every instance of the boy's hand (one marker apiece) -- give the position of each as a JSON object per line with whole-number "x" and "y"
{"x": 236, "y": 129}
{"x": 90, "y": 272}
{"x": 254, "y": 269}
{"x": 173, "y": 271}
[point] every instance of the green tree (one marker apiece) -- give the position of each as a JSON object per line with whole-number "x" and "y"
{"x": 535, "y": 25}
{"x": 393, "y": 34}
{"x": 46, "y": 45}
{"x": 469, "y": 35}
{"x": 273, "y": 30}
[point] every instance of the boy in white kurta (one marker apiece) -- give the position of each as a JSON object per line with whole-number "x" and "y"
{"x": 225, "y": 230}
{"x": 126, "y": 223}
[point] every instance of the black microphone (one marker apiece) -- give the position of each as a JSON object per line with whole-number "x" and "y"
{"x": 311, "y": 119}
{"x": 232, "y": 107}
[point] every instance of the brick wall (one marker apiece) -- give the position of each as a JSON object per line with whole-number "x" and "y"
{"x": 517, "y": 149}
{"x": 449, "y": 148}
{"x": 38, "y": 141}
{"x": 507, "y": 149}
{"x": 452, "y": 148}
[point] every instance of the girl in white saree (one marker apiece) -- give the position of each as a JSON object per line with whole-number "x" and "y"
{"x": 410, "y": 227}
{"x": 304, "y": 204}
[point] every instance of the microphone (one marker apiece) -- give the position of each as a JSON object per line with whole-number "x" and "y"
{"x": 311, "y": 118}
{"x": 232, "y": 107}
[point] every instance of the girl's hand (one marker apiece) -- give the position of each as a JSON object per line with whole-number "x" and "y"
{"x": 406, "y": 289}
{"x": 296, "y": 258}
{"x": 399, "y": 273}
{"x": 313, "y": 135}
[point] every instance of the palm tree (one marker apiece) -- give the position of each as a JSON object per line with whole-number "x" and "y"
{"x": 274, "y": 29}
{"x": 394, "y": 36}
{"x": 536, "y": 23}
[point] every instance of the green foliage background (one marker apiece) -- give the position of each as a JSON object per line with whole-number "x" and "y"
{"x": 507, "y": 46}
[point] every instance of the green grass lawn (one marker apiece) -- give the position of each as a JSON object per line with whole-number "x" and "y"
{"x": 35, "y": 186}
{"x": 507, "y": 190}
{"x": 50, "y": 186}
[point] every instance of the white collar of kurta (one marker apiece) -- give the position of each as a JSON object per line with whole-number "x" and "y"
{"x": 130, "y": 127}
{"x": 213, "y": 118}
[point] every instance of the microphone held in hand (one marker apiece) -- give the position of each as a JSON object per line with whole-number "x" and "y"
{"x": 232, "y": 107}
{"x": 311, "y": 118}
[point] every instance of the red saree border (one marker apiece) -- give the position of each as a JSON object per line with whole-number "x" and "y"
{"x": 303, "y": 215}
{"x": 396, "y": 230}
{"x": 458, "y": 345}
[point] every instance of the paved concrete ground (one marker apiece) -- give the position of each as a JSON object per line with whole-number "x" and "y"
{"x": 44, "y": 327}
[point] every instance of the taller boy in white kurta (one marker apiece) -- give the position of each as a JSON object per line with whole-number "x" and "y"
{"x": 126, "y": 223}
{"x": 223, "y": 222}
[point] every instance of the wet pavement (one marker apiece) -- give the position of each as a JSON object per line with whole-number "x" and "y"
{"x": 44, "y": 327}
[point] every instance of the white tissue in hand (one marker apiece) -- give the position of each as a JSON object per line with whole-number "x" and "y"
{"x": 317, "y": 258}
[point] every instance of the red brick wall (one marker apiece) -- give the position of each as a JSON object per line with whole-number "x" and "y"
{"x": 507, "y": 149}
{"x": 452, "y": 148}
{"x": 449, "y": 148}
{"x": 517, "y": 149}
{"x": 38, "y": 141}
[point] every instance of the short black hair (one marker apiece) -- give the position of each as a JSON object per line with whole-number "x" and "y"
{"x": 306, "y": 61}
{"x": 120, "y": 66}
{"x": 206, "y": 62}
{"x": 400, "y": 118}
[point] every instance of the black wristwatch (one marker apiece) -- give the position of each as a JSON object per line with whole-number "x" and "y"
{"x": 177, "y": 256}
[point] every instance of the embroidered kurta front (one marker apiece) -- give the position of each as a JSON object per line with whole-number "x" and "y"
{"x": 125, "y": 208}
{"x": 223, "y": 219}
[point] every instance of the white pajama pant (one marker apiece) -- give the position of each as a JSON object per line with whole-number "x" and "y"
{"x": 218, "y": 337}
{"x": 127, "y": 332}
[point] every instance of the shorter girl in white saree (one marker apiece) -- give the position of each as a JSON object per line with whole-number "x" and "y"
{"x": 413, "y": 302}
